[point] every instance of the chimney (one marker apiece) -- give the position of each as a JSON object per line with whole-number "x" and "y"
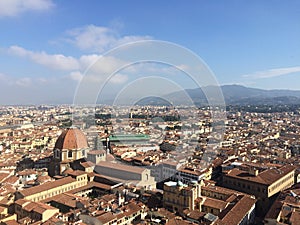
{"x": 253, "y": 171}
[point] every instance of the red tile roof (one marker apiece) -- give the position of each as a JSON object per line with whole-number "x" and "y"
{"x": 47, "y": 186}
{"x": 267, "y": 177}
{"x": 72, "y": 138}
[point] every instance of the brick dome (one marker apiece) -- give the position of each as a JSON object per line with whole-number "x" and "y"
{"x": 71, "y": 138}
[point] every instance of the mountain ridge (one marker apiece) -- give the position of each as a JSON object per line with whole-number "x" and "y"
{"x": 239, "y": 95}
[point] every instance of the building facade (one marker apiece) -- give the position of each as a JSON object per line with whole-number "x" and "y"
{"x": 178, "y": 196}
{"x": 262, "y": 184}
{"x": 47, "y": 190}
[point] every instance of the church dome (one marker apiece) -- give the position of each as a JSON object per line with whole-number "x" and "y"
{"x": 71, "y": 138}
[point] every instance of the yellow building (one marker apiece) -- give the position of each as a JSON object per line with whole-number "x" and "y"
{"x": 36, "y": 211}
{"x": 178, "y": 196}
{"x": 50, "y": 189}
{"x": 5, "y": 216}
{"x": 263, "y": 185}
{"x": 199, "y": 200}
{"x": 21, "y": 145}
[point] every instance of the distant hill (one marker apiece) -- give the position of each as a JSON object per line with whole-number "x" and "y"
{"x": 236, "y": 95}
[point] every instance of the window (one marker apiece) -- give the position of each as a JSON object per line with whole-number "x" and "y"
{"x": 70, "y": 154}
{"x": 57, "y": 153}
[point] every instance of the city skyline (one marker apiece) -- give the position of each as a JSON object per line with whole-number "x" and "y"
{"x": 47, "y": 45}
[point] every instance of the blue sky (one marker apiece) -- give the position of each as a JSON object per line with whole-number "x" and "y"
{"x": 46, "y": 45}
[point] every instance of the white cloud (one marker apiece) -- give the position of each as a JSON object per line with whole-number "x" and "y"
{"x": 69, "y": 63}
{"x": 27, "y": 81}
{"x": 92, "y": 68}
{"x": 76, "y": 75}
{"x": 24, "y": 82}
{"x": 56, "y": 61}
{"x": 118, "y": 79}
{"x": 93, "y": 78}
{"x": 106, "y": 64}
{"x": 273, "y": 72}
{"x": 99, "y": 39}
{"x": 10, "y": 8}
{"x": 88, "y": 60}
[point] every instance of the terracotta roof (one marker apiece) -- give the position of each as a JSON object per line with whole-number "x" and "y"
{"x": 195, "y": 214}
{"x": 106, "y": 217}
{"x": 65, "y": 199}
{"x": 11, "y": 180}
{"x": 74, "y": 173}
{"x": 21, "y": 201}
{"x": 177, "y": 221}
{"x": 295, "y": 217}
{"x": 47, "y": 186}
{"x": 87, "y": 164}
{"x": 96, "y": 152}
{"x": 215, "y": 203}
{"x": 11, "y": 222}
{"x": 118, "y": 166}
{"x": 236, "y": 214}
{"x": 34, "y": 206}
{"x": 267, "y": 177}
{"x": 72, "y": 138}
{"x": 27, "y": 172}
{"x": 3, "y": 176}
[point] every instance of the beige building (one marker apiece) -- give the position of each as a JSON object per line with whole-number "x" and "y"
{"x": 199, "y": 201}
{"x": 49, "y": 189}
{"x": 5, "y": 216}
{"x": 36, "y": 211}
{"x": 263, "y": 185}
{"x": 96, "y": 156}
{"x": 139, "y": 176}
{"x": 178, "y": 196}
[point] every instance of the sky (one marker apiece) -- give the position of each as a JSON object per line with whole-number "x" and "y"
{"x": 47, "y": 47}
